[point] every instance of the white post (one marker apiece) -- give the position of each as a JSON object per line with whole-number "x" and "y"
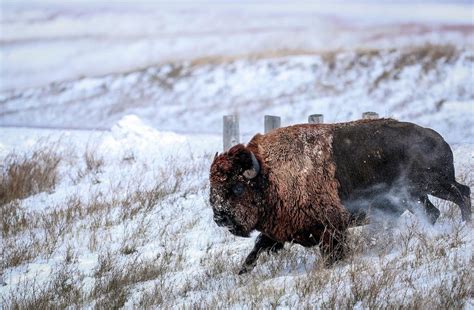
{"x": 316, "y": 119}
{"x": 370, "y": 115}
{"x": 271, "y": 122}
{"x": 231, "y": 135}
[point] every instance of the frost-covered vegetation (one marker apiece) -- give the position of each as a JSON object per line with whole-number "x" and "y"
{"x": 127, "y": 223}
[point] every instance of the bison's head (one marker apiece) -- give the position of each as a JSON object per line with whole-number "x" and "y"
{"x": 236, "y": 190}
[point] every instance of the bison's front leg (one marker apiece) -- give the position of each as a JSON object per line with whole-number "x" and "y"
{"x": 261, "y": 244}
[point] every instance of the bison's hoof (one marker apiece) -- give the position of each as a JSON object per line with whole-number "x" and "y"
{"x": 245, "y": 269}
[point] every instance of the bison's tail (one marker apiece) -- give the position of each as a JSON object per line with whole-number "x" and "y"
{"x": 458, "y": 193}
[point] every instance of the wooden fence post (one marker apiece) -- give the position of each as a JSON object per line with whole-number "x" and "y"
{"x": 271, "y": 122}
{"x": 316, "y": 119}
{"x": 231, "y": 135}
{"x": 370, "y": 115}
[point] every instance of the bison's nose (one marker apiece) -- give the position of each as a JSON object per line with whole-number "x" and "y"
{"x": 222, "y": 219}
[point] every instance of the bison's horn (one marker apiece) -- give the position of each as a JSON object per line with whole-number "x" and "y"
{"x": 252, "y": 173}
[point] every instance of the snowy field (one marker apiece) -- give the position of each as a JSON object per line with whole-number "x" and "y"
{"x": 111, "y": 114}
{"x": 128, "y": 223}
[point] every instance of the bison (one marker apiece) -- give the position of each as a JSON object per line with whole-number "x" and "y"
{"x": 304, "y": 183}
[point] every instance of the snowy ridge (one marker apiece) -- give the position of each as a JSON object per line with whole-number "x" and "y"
{"x": 429, "y": 85}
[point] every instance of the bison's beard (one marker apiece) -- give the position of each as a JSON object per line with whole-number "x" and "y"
{"x": 234, "y": 227}
{"x": 239, "y": 231}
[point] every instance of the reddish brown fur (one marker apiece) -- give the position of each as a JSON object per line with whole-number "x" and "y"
{"x": 296, "y": 197}
{"x": 302, "y": 187}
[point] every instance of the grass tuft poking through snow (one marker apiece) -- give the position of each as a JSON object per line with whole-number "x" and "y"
{"x": 26, "y": 175}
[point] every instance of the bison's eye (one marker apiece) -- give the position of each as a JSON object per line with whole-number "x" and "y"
{"x": 238, "y": 189}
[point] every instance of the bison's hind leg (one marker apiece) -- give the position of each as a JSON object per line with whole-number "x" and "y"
{"x": 458, "y": 193}
{"x": 431, "y": 211}
{"x": 262, "y": 243}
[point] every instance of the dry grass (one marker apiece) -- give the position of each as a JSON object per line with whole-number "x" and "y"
{"x": 63, "y": 219}
{"x": 410, "y": 56}
{"x": 115, "y": 280}
{"x": 93, "y": 165}
{"x": 428, "y": 56}
{"x": 214, "y": 60}
{"x": 29, "y": 234}
{"x": 23, "y": 176}
{"x": 62, "y": 290}
{"x": 155, "y": 246}
{"x": 93, "y": 162}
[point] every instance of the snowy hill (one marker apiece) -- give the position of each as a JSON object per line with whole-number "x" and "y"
{"x": 430, "y": 85}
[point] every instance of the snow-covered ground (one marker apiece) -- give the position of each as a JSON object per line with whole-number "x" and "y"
{"x": 128, "y": 99}
{"x": 129, "y": 224}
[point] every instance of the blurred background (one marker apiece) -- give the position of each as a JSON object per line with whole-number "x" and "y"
{"x": 181, "y": 65}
